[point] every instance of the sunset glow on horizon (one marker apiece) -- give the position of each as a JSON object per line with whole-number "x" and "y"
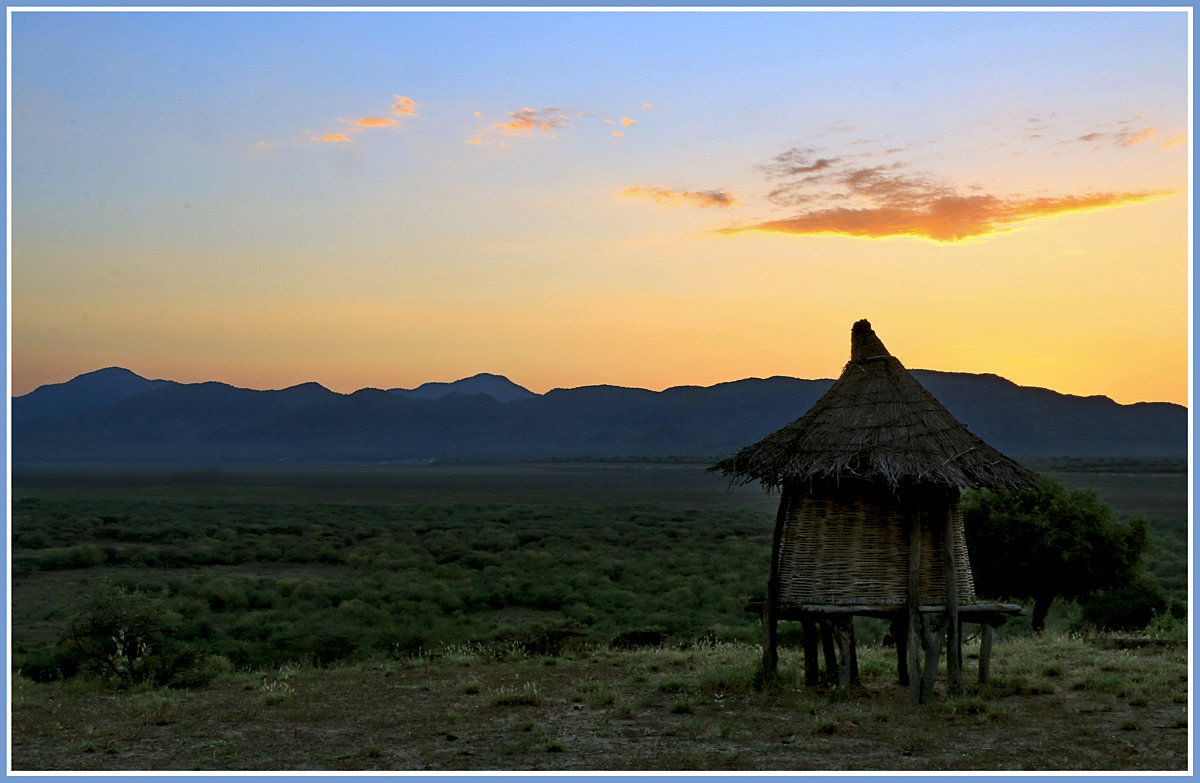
{"x": 652, "y": 199}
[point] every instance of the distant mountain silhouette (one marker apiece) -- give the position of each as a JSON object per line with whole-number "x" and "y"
{"x": 497, "y": 387}
{"x": 88, "y": 392}
{"x": 114, "y": 415}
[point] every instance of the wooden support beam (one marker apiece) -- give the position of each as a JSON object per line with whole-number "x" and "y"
{"x": 853, "y": 654}
{"x": 843, "y": 632}
{"x": 914, "y": 608}
{"x": 987, "y": 635}
{"x": 812, "y": 665}
{"x": 770, "y": 639}
{"x": 967, "y": 612}
{"x": 830, "y": 648}
{"x": 770, "y": 614}
{"x": 899, "y": 631}
{"x": 934, "y": 627}
{"x": 953, "y": 635}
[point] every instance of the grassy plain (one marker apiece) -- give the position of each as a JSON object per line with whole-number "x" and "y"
{"x": 1055, "y": 703}
{"x": 435, "y": 585}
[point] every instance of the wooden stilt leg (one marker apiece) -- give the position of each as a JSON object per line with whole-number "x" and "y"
{"x": 827, "y": 643}
{"x": 915, "y": 646}
{"x": 954, "y": 678}
{"x": 843, "y": 630}
{"x": 934, "y": 626}
{"x": 812, "y": 666}
{"x": 853, "y": 653}
{"x": 770, "y": 624}
{"x": 987, "y": 635}
{"x": 900, "y": 637}
{"x": 914, "y": 609}
{"x": 770, "y": 615}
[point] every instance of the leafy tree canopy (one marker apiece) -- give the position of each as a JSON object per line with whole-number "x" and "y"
{"x": 1050, "y": 542}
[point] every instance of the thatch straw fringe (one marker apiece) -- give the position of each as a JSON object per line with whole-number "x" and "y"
{"x": 878, "y": 423}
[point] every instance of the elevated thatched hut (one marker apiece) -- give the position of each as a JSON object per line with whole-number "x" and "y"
{"x": 869, "y": 518}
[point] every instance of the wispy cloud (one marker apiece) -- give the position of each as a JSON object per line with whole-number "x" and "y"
{"x": 404, "y": 107}
{"x": 1125, "y": 133}
{"x": 375, "y": 122}
{"x": 842, "y": 194}
{"x": 529, "y": 120}
{"x": 942, "y": 219}
{"x": 1120, "y": 138}
{"x": 547, "y": 122}
{"x": 675, "y": 198}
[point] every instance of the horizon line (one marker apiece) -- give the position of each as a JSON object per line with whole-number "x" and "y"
{"x": 572, "y": 388}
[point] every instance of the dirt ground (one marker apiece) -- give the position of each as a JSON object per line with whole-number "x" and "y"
{"x": 606, "y": 712}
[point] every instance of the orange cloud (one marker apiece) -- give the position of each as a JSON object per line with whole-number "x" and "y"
{"x": 376, "y": 122}
{"x": 626, "y": 122}
{"x": 336, "y": 137}
{"x": 948, "y": 218}
{"x": 527, "y": 119}
{"x": 668, "y": 197}
{"x": 404, "y": 107}
{"x": 842, "y": 195}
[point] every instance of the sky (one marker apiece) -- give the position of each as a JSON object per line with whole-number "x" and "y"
{"x": 650, "y": 199}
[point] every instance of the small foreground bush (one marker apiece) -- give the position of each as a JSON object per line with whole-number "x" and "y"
{"x": 126, "y": 637}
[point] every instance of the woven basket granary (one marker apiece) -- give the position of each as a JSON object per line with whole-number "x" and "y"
{"x": 848, "y": 545}
{"x": 872, "y": 457}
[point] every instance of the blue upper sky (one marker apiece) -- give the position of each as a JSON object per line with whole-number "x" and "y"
{"x": 645, "y": 198}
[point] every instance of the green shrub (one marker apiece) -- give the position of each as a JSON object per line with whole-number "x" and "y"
{"x": 50, "y": 665}
{"x": 127, "y": 637}
{"x": 1167, "y": 625}
{"x": 1128, "y": 609}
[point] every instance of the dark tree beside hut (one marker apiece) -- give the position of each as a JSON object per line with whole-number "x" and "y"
{"x": 870, "y": 521}
{"x": 1050, "y": 542}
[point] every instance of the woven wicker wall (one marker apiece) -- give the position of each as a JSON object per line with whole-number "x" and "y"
{"x": 844, "y": 546}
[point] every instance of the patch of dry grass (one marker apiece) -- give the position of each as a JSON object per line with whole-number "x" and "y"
{"x": 1058, "y": 703}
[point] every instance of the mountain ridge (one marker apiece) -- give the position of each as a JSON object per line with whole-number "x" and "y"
{"x": 114, "y": 415}
{"x": 498, "y": 387}
{"x": 439, "y": 389}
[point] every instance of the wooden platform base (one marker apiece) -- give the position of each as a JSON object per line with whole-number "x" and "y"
{"x": 835, "y": 626}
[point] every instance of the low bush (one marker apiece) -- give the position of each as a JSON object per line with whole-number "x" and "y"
{"x": 127, "y": 637}
{"x": 638, "y": 638}
{"x": 1128, "y": 609}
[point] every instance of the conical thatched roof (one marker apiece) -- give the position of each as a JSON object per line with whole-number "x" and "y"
{"x": 877, "y": 423}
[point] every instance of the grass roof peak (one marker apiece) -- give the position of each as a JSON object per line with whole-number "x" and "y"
{"x": 879, "y": 424}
